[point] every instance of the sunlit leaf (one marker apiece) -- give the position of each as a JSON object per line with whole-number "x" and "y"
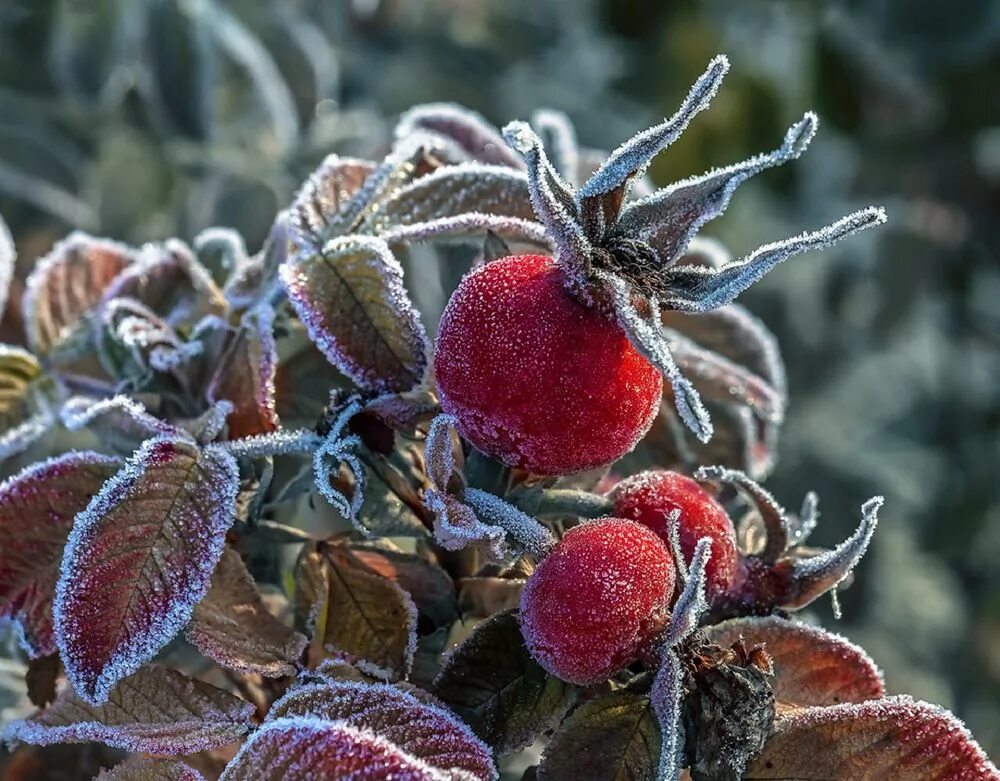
{"x": 64, "y": 288}
{"x": 319, "y": 203}
{"x": 246, "y": 376}
{"x": 811, "y": 666}
{"x": 25, "y": 400}
{"x": 156, "y": 711}
{"x": 895, "y": 738}
{"x": 423, "y": 730}
{"x": 352, "y": 300}
{"x": 143, "y": 769}
{"x": 232, "y": 626}
{"x": 37, "y": 507}
{"x": 612, "y": 738}
{"x": 498, "y": 689}
{"x": 140, "y": 558}
{"x": 8, "y": 256}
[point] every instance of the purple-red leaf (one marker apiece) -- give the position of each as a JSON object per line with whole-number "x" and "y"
{"x": 423, "y": 730}
{"x": 37, "y": 507}
{"x": 144, "y": 769}
{"x": 155, "y": 711}
{"x": 896, "y": 738}
{"x": 232, "y": 626}
{"x": 351, "y": 298}
{"x": 811, "y": 666}
{"x": 246, "y": 376}
{"x": 65, "y": 287}
{"x": 140, "y": 558}
{"x": 308, "y": 749}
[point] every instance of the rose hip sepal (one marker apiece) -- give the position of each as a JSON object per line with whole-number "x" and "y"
{"x": 598, "y": 601}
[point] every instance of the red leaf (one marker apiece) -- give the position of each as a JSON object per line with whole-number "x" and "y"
{"x": 143, "y": 769}
{"x": 140, "y": 558}
{"x": 37, "y": 507}
{"x": 811, "y": 666}
{"x": 893, "y": 739}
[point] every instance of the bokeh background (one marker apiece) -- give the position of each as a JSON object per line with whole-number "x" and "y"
{"x": 142, "y": 119}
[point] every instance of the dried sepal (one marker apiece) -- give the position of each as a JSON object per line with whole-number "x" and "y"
{"x": 691, "y": 604}
{"x": 37, "y": 508}
{"x": 139, "y": 558}
{"x": 155, "y": 711}
{"x": 811, "y": 665}
{"x": 559, "y": 139}
{"x": 895, "y": 737}
{"x": 351, "y": 298}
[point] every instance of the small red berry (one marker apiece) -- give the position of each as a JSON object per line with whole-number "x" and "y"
{"x": 650, "y": 497}
{"x": 536, "y": 379}
{"x": 598, "y": 600}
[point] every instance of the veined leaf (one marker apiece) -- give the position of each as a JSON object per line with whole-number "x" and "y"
{"x": 65, "y": 287}
{"x": 155, "y": 711}
{"x": 322, "y": 198}
{"x": 140, "y": 558}
{"x": 492, "y": 682}
{"x": 232, "y": 626}
{"x": 421, "y": 729}
{"x": 811, "y": 666}
{"x": 143, "y": 769}
{"x": 896, "y": 738}
{"x": 37, "y": 507}
{"x": 352, "y": 300}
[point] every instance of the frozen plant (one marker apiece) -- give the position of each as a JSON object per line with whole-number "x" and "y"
{"x": 496, "y": 585}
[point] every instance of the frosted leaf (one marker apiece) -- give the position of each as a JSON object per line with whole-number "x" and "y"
{"x": 470, "y": 224}
{"x": 307, "y": 749}
{"x": 339, "y": 449}
{"x": 232, "y": 626}
{"x": 803, "y": 524}
{"x": 615, "y": 736}
{"x": 559, "y": 139}
{"x": 155, "y": 711}
{"x": 457, "y": 527}
{"x": 255, "y": 278}
{"x": 492, "y": 682}
{"x": 8, "y": 257}
{"x": 221, "y": 252}
{"x": 665, "y": 697}
{"x": 169, "y": 281}
{"x": 524, "y": 531}
{"x": 553, "y": 202}
{"x": 315, "y": 213}
{"x": 246, "y": 375}
{"x": 139, "y": 558}
{"x": 668, "y": 219}
{"x": 606, "y": 189}
{"x": 370, "y": 621}
{"x": 691, "y": 605}
{"x": 465, "y": 134}
{"x": 278, "y": 443}
{"x": 209, "y": 424}
{"x": 773, "y": 517}
{"x": 351, "y": 299}
{"x": 135, "y": 340}
{"x": 809, "y": 578}
{"x": 143, "y": 769}
{"x": 121, "y": 423}
{"x": 64, "y": 288}
{"x": 37, "y": 507}
{"x": 439, "y": 451}
{"x": 698, "y": 289}
{"x": 25, "y": 404}
{"x": 648, "y": 337}
{"x": 453, "y": 191}
{"x": 421, "y": 729}
{"x": 896, "y": 737}
{"x": 811, "y": 666}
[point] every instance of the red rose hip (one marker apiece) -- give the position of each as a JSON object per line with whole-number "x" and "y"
{"x": 598, "y": 600}
{"x": 650, "y": 497}
{"x": 536, "y": 379}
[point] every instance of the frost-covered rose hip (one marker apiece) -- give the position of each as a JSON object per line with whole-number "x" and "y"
{"x": 536, "y": 379}
{"x": 598, "y": 600}
{"x": 650, "y": 498}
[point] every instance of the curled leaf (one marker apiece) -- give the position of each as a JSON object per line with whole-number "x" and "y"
{"x": 895, "y": 738}
{"x": 351, "y": 299}
{"x": 139, "y": 558}
{"x": 37, "y": 508}
{"x": 321, "y": 200}
{"x": 156, "y": 711}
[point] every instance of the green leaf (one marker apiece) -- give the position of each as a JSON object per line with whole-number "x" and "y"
{"x": 351, "y": 299}
{"x": 614, "y": 738}
{"x": 493, "y": 683}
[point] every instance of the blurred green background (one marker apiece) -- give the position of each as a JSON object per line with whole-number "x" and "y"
{"x": 141, "y": 119}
